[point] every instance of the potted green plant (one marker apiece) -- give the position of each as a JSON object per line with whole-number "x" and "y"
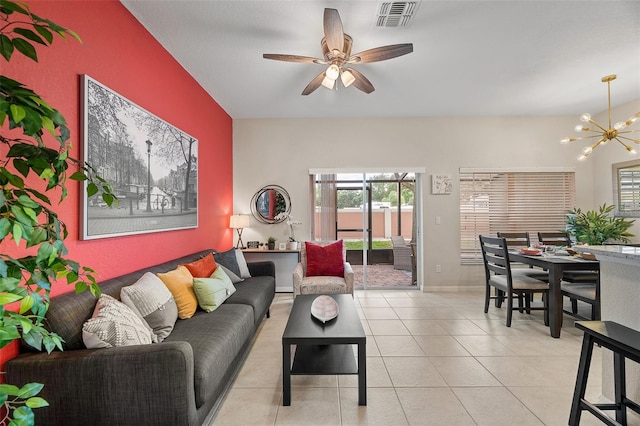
{"x": 35, "y": 143}
{"x": 271, "y": 243}
{"x": 595, "y": 227}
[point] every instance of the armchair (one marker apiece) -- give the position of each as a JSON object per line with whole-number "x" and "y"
{"x": 321, "y": 284}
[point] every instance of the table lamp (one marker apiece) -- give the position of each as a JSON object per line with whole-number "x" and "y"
{"x": 239, "y": 222}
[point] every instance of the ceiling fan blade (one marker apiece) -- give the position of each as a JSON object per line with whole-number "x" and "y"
{"x": 292, "y": 58}
{"x": 313, "y": 84}
{"x": 333, "y": 32}
{"x": 381, "y": 53}
{"x": 361, "y": 82}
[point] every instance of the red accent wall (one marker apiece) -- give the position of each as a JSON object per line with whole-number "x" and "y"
{"x": 118, "y": 51}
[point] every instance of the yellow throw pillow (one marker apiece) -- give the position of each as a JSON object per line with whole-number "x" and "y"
{"x": 180, "y": 284}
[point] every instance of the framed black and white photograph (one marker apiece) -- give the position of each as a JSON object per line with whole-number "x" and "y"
{"x": 151, "y": 165}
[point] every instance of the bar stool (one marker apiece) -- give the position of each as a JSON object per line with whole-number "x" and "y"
{"x": 625, "y": 343}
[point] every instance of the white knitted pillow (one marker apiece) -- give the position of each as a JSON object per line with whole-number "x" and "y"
{"x": 114, "y": 324}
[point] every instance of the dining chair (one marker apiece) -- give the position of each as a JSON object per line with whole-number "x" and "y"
{"x": 585, "y": 292}
{"x": 577, "y": 285}
{"x": 559, "y": 238}
{"x": 498, "y": 275}
{"x": 518, "y": 240}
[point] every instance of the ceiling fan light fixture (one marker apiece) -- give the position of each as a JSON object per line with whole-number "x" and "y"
{"x": 336, "y": 51}
{"x": 347, "y": 78}
{"x": 328, "y": 83}
{"x": 332, "y": 72}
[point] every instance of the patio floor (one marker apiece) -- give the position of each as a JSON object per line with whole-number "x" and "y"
{"x": 382, "y": 276}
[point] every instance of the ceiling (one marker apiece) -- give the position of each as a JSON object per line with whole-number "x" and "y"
{"x": 471, "y": 58}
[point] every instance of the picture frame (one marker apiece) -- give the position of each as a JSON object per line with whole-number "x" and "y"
{"x": 253, "y": 244}
{"x": 441, "y": 184}
{"x": 151, "y": 165}
{"x": 282, "y": 246}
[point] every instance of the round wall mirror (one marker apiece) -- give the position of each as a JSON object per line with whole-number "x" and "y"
{"x": 269, "y": 203}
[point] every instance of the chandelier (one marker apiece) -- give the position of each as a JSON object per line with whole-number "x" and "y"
{"x": 616, "y": 132}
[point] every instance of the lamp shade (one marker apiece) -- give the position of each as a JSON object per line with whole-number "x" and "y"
{"x": 239, "y": 221}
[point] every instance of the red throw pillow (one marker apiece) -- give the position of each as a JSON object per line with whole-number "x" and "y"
{"x": 325, "y": 260}
{"x": 202, "y": 268}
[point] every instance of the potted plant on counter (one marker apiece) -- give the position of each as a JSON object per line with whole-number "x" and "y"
{"x": 271, "y": 243}
{"x": 596, "y": 227}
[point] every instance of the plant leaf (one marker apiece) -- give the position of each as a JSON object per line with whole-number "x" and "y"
{"x": 21, "y": 166}
{"x": 17, "y": 113}
{"x": 26, "y": 33}
{"x": 36, "y": 402}
{"x": 29, "y": 390}
{"x": 44, "y": 32}
{"x": 6, "y": 47}
{"x": 92, "y": 189}
{"x": 17, "y": 232}
{"x": 79, "y": 176}
{"x": 9, "y": 389}
{"x": 25, "y": 48}
{"x": 6, "y": 298}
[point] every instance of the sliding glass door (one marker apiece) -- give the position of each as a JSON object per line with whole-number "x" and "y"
{"x": 376, "y": 216}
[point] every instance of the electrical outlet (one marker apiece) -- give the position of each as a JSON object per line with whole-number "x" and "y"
{"x": 437, "y": 220}
{"x": 438, "y": 268}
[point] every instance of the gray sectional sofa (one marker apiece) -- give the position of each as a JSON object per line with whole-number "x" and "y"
{"x": 176, "y": 382}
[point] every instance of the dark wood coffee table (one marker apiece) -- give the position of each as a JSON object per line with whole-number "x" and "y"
{"x": 324, "y": 349}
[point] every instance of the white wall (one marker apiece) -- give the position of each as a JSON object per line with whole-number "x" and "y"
{"x": 281, "y": 151}
{"x": 604, "y": 156}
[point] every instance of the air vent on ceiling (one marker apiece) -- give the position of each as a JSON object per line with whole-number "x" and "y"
{"x": 393, "y": 14}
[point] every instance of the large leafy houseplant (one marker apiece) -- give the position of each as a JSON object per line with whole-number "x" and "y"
{"x": 35, "y": 164}
{"x": 595, "y": 227}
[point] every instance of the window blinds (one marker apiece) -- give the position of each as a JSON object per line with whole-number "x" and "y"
{"x": 503, "y": 201}
{"x": 629, "y": 189}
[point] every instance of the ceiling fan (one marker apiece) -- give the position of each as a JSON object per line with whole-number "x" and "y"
{"x": 336, "y": 48}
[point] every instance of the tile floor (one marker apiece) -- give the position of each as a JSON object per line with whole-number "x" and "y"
{"x": 432, "y": 359}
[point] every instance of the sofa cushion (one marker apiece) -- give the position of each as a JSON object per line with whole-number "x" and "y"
{"x": 180, "y": 284}
{"x": 114, "y": 324}
{"x": 202, "y": 268}
{"x": 154, "y": 302}
{"x": 212, "y": 292}
{"x": 233, "y": 260}
{"x": 257, "y": 292}
{"x": 234, "y": 278}
{"x": 217, "y": 338}
{"x": 325, "y": 260}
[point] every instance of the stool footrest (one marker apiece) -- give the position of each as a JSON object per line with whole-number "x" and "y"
{"x": 625, "y": 344}
{"x": 596, "y": 410}
{"x": 631, "y": 404}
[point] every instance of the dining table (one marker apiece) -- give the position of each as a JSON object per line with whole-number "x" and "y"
{"x": 556, "y": 265}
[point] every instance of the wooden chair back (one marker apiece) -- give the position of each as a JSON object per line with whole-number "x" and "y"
{"x": 495, "y": 257}
{"x": 560, "y": 238}
{"x": 516, "y": 239}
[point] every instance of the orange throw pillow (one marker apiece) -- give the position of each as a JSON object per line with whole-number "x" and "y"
{"x": 202, "y": 268}
{"x": 180, "y": 284}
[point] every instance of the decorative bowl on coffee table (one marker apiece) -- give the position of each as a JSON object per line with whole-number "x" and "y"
{"x": 324, "y": 308}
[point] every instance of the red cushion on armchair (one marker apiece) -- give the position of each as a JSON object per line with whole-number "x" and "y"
{"x": 325, "y": 260}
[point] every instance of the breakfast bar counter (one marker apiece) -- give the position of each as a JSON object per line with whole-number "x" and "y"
{"x": 619, "y": 302}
